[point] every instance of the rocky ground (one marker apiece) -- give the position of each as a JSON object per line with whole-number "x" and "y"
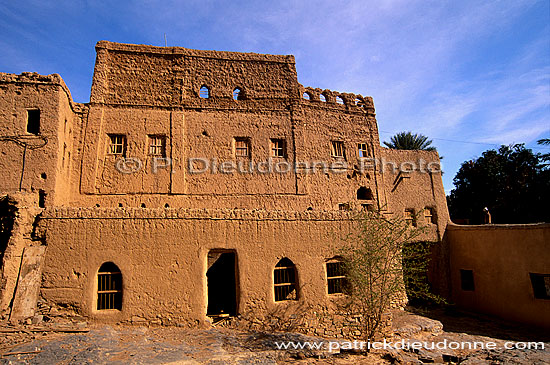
{"x": 62, "y": 339}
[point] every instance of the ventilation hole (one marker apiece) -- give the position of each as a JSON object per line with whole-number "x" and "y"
{"x": 120, "y": 205}
{"x": 167, "y": 205}
{"x": 205, "y": 133}
{"x": 309, "y": 208}
{"x": 143, "y": 205}
{"x": 43, "y": 175}
{"x": 97, "y": 205}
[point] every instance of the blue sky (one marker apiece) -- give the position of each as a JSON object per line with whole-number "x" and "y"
{"x": 456, "y": 71}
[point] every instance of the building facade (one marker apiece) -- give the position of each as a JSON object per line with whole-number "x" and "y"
{"x": 196, "y": 184}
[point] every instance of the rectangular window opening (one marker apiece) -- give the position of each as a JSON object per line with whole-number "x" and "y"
{"x": 362, "y": 149}
{"x": 467, "y": 280}
{"x": 33, "y": 121}
{"x": 277, "y": 147}
{"x": 337, "y": 149}
{"x": 541, "y": 285}
{"x": 117, "y": 144}
{"x": 336, "y": 277}
{"x": 157, "y": 145}
{"x": 429, "y": 216}
{"x": 242, "y": 147}
{"x": 410, "y": 217}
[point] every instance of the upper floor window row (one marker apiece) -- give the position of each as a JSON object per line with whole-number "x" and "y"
{"x": 156, "y": 145}
{"x": 204, "y": 93}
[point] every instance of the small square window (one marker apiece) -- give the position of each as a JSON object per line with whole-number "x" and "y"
{"x": 467, "y": 280}
{"x": 410, "y": 217}
{"x": 278, "y": 148}
{"x": 337, "y": 149}
{"x": 117, "y": 144}
{"x": 242, "y": 147}
{"x": 541, "y": 285}
{"x": 362, "y": 150}
{"x": 157, "y": 145}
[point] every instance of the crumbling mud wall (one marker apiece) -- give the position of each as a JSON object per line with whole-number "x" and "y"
{"x": 22, "y": 254}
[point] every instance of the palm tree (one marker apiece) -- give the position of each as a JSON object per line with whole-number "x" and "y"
{"x": 409, "y": 141}
{"x": 546, "y": 156}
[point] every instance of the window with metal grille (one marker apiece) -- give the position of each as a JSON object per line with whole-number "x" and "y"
{"x": 278, "y": 147}
{"x": 336, "y": 277}
{"x": 117, "y": 144}
{"x": 242, "y": 147}
{"x": 204, "y": 92}
{"x": 541, "y": 285}
{"x": 409, "y": 217}
{"x": 362, "y": 149}
{"x": 284, "y": 280}
{"x": 109, "y": 287}
{"x": 337, "y": 149}
{"x": 429, "y": 216}
{"x": 157, "y": 145}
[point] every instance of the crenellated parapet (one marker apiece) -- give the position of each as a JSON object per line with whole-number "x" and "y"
{"x": 337, "y": 99}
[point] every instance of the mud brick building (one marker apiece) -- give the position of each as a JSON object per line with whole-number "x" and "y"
{"x": 132, "y": 207}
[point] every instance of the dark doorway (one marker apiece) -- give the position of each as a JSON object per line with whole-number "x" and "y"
{"x": 222, "y": 283}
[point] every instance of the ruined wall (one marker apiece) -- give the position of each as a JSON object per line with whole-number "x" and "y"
{"x": 501, "y": 258}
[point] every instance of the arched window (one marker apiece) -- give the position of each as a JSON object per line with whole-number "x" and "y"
{"x": 284, "y": 280}
{"x": 109, "y": 287}
{"x": 364, "y": 193}
{"x": 306, "y": 96}
{"x": 204, "y": 92}
{"x": 339, "y": 100}
{"x": 238, "y": 94}
{"x": 323, "y": 98}
{"x": 337, "y": 282}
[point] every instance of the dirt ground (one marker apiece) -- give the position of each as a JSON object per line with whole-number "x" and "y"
{"x": 104, "y": 344}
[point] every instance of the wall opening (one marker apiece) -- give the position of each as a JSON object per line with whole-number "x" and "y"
{"x": 541, "y": 285}
{"x": 33, "y": 121}
{"x": 337, "y": 282}
{"x": 467, "y": 280}
{"x": 222, "y": 284}
{"x": 204, "y": 92}
{"x": 238, "y": 94}
{"x": 109, "y": 287}
{"x": 364, "y": 193}
{"x": 284, "y": 280}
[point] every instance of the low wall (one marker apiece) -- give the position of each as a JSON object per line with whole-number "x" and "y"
{"x": 501, "y": 258}
{"x": 163, "y": 257}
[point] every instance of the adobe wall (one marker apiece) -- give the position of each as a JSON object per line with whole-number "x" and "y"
{"x": 44, "y": 166}
{"x": 501, "y": 258}
{"x": 162, "y": 254}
